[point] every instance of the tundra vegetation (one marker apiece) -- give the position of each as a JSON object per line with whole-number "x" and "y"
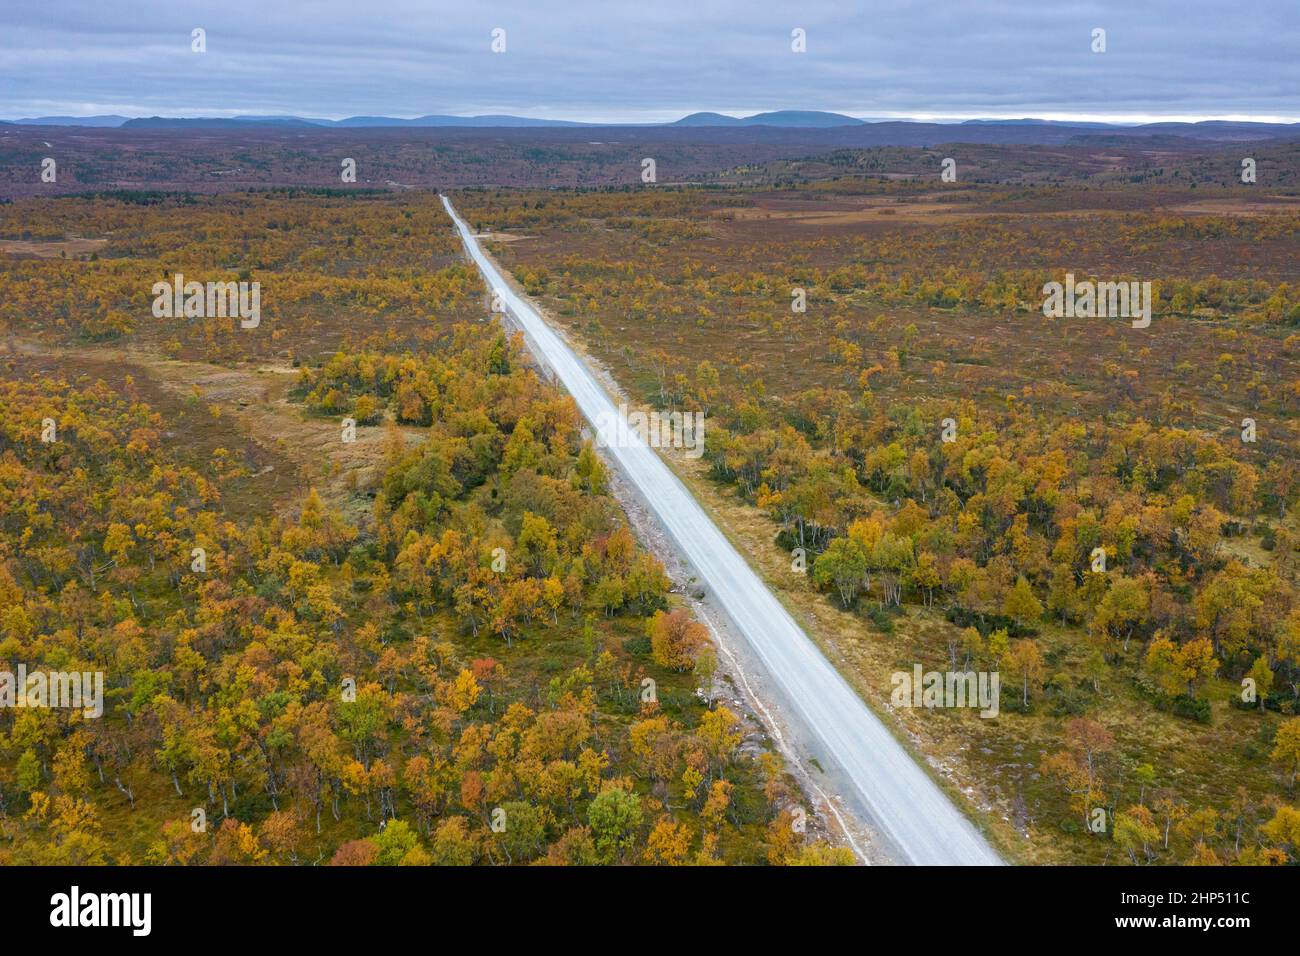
{"x": 953, "y": 463}
{"x": 437, "y": 644}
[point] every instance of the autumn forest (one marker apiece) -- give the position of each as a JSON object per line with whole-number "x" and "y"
{"x": 364, "y": 590}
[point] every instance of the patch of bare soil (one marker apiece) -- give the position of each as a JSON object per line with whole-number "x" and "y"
{"x": 871, "y": 211}
{"x": 73, "y": 247}
{"x": 1264, "y": 206}
{"x": 250, "y": 402}
{"x": 501, "y": 236}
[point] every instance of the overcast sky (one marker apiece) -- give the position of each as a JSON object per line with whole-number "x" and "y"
{"x": 652, "y": 60}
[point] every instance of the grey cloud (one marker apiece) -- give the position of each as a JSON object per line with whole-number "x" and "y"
{"x": 647, "y": 61}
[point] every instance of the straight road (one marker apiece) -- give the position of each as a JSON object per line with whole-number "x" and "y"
{"x": 907, "y": 808}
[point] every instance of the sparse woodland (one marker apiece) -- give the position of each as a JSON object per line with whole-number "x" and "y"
{"x": 392, "y": 641}
{"x": 458, "y": 655}
{"x": 951, "y": 462}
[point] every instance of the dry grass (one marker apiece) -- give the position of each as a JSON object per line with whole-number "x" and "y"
{"x": 233, "y": 407}
{"x": 71, "y": 248}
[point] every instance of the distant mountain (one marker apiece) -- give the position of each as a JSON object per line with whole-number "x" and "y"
{"x": 1220, "y": 130}
{"x": 801, "y": 118}
{"x": 374, "y": 121}
{"x": 214, "y": 122}
{"x": 1206, "y": 129}
{"x": 292, "y": 120}
{"x": 352, "y": 122}
{"x": 1042, "y": 122}
{"x": 708, "y": 119}
{"x": 441, "y": 120}
{"x": 779, "y": 123}
{"x": 72, "y": 121}
{"x": 786, "y": 118}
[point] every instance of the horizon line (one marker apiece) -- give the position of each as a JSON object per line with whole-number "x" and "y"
{"x": 662, "y": 116}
